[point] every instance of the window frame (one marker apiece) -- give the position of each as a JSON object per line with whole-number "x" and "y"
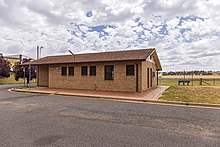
{"x": 71, "y": 67}
{"x": 82, "y": 73}
{"x": 62, "y": 72}
{"x": 127, "y": 71}
{"x": 90, "y": 70}
{"x": 112, "y": 72}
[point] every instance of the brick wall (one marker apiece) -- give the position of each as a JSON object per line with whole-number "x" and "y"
{"x": 121, "y": 82}
{"x": 51, "y": 76}
{"x": 144, "y": 66}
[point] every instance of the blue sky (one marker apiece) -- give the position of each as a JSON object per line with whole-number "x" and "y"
{"x": 186, "y": 34}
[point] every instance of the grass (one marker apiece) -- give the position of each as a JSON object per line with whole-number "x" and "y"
{"x": 195, "y": 83}
{"x": 196, "y": 94}
{"x": 194, "y": 76}
{"x": 11, "y": 80}
{"x": 168, "y": 82}
{"x": 208, "y": 80}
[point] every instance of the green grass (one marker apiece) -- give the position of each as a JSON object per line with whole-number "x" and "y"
{"x": 196, "y": 94}
{"x": 11, "y": 80}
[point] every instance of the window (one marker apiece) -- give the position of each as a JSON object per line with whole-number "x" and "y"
{"x": 84, "y": 70}
{"x": 129, "y": 70}
{"x": 63, "y": 71}
{"x": 71, "y": 71}
{"x": 109, "y": 72}
{"x": 92, "y": 70}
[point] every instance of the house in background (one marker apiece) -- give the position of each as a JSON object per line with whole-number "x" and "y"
{"x": 13, "y": 60}
{"x": 130, "y": 70}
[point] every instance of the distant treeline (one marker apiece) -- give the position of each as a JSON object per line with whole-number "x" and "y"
{"x": 196, "y": 72}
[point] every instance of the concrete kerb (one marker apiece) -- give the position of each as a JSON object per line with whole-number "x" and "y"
{"x": 124, "y": 99}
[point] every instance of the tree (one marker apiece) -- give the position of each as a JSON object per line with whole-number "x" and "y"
{"x": 19, "y": 70}
{"x": 4, "y": 67}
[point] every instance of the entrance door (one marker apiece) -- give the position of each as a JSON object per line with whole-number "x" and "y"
{"x": 148, "y": 78}
{"x": 136, "y": 77}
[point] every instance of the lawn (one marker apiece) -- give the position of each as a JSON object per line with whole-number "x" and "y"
{"x": 196, "y": 94}
{"x": 11, "y": 80}
{"x": 174, "y": 82}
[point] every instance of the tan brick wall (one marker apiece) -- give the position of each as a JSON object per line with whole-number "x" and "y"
{"x": 42, "y": 75}
{"x": 121, "y": 82}
{"x": 51, "y": 76}
{"x": 145, "y": 65}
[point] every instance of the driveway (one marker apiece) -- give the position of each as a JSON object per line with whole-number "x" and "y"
{"x": 28, "y": 119}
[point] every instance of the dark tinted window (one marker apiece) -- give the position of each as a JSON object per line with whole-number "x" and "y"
{"x": 71, "y": 71}
{"x": 84, "y": 70}
{"x": 109, "y": 72}
{"x": 129, "y": 70}
{"x": 92, "y": 70}
{"x": 63, "y": 71}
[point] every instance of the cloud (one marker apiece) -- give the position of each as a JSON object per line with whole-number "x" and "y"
{"x": 185, "y": 33}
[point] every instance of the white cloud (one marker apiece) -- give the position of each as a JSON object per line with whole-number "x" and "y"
{"x": 185, "y": 33}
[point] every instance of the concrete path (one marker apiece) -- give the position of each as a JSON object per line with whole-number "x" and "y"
{"x": 152, "y": 94}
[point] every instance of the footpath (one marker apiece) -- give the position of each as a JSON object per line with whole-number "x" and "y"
{"x": 150, "y": 96}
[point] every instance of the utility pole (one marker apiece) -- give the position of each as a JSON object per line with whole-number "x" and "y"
{"x": 24, "y": 74}
{"x": 39, "y": 52}
{"x": 20, "y": 58}
{"x": 29, "y": 75}
{"x": 38, "y": 57}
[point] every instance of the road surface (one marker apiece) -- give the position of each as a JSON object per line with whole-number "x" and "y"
{"x": 46, "y": 120}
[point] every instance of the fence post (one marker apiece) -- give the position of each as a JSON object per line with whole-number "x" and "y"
{"x": 200, "y": 83}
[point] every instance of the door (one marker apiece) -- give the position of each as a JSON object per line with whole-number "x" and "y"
{"x": 148, "y": 78}
{"x": 136, "y": 77}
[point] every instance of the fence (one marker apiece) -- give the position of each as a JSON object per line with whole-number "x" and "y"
{"x": 193, "y": 82}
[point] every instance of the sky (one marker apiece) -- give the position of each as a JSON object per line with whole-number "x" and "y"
{"x": 185, "y": 33}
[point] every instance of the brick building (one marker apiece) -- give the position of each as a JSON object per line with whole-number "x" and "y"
{"x": 130, "y": 70}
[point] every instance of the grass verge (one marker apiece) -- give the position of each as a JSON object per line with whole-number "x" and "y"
{"x": 196, "y": 94}
{"x": 11, "y": 80}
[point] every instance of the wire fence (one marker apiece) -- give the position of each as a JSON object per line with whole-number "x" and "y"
{"x": 192, "y": 81}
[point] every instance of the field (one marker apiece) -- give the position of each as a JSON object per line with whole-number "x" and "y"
{"x": 196, "y": 94}
{"x": 206, "y": 92}
{"x": 207, "y": 80}
{"x": 190, "y": 76}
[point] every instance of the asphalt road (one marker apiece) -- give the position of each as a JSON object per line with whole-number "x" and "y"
{"x": 46, "y": 120}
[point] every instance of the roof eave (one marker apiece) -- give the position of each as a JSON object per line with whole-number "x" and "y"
{"x": 37, "y": 64}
